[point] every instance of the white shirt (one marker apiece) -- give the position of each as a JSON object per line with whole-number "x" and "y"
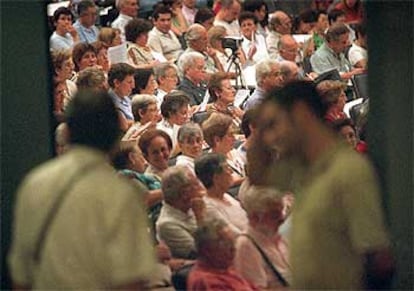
{"x": 120, "y": 23}
{"x": 232, "y": 29}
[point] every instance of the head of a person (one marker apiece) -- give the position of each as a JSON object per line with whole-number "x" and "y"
{"x": 220, "y": 88}
{"x": 305, "y": 21}
{"x": 101, "y": 54}
{"x": 218, "y": 132}
{"x": 192, "y": 65}
{"x": 288, "y": 47}
{"x": 59, "y": 95}
{"x": 156, "y": 147}
{"x": 337, "y": 37}
{"x": 174, "y": 107}
{"x": 62, "y": 19}
{"x": 336, "y": 16}
{"x": 287, "y": 114}
{"x": 258, "y": 7}
{"x": 144, "y": 82}
{"x": 87, "y": 13}
{"x": 144, "y": 108}
{"x": 289, "y": 70}
{"x": 178, "y": 187}
{"x": 189, "y": 3}
{"x": 190, "y": 138}
{"x": 62, "y": 64}
{"x": 332, "y": 94}
{"x": 92, "y": 120}
{"x": 84, "y": 55}
{"x": 205, "y": 17}
{"x": 322, "y": 23}
{"x": 92, "y": 78}
{"x": 128, "y": 7}
{"x": 268, "y": 74}
{"x": 196, "y": 37}
{"x": 361, "y": 34}
{"x": 110, "y": 36}
{"x": 136, "y": 31}
{"x": 215, "y": 244}
{"x": 248, "y": 123}
{"x": 213, "y": 171}
{"x": 166, "y": 76}
{"x": 121, "y": 78}
{"x": 129, "y": 156}
{"x": 230, "y": 10}
{"x": 162, "y": 18}
{"x": 264, "y": 208}
{"x": 215, "y": 37}
{"x": 280, "y": 22}
{"x": 248, "y": 22}
{"x": 346, "y": 129}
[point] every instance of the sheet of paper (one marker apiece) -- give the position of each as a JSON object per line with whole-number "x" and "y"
{"x": 159, "y": 57}
{"x": 203, "y": 104}
{"x": 118, "y": 54}
{"x": 241, "y": 95}
{"x": 301, "y": 38}
{"x": 249, "y": 74}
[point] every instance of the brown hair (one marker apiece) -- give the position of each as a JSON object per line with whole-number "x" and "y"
{"x": 216, "y": 125}
{"x": 215, "y": 84}
{"x": 147, "y": 137}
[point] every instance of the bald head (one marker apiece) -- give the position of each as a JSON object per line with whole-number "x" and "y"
{"x": 289, "y": 71}
{"x": 288, "y": 47}
{"x": 280, "y": 22}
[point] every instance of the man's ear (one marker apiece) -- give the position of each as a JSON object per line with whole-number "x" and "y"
{"x": 216, "y": 139}
{"x": 116, "y": 83}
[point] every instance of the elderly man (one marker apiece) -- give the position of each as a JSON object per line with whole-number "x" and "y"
{"x": 71, "y": 231}
{"x": 288, "y": 48}
{"x": 279, "y": 24}
{"x": 197, "y": 41}
{"x": 85, "y": 25}
{"x": 192, "y": 66}
{"x": 227, "y": 17}
{"x": 338, "y": 238}
{"x": 268, "y": 75}
{"x": 182, "y": 210}
{"x": 290, "y": 71}
{"x": 128, "y": 9}
{"x": 161, "y": 39}
{"x": 167, "y": 79}
{"x": 331, "y": 54}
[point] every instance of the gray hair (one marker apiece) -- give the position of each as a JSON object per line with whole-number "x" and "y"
{"x": 208, "y": 233}
{"x": 174, "y": 180}
{"x": 141, "y": 102}
{"x": 194, "y": 32}
{"x": 263, "y": 68}
{"x": 287, "y": 68}
{"x": 187, "y": 60}
{"x": 259, "y": 199}
{"x": 160, "y": 70}
{"x": 90, "y": 78}
{"x": 187, "y": 130}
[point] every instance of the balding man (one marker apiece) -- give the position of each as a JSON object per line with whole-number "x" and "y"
{"x": 128, "y": 9}
{"x": 290, "y": 71}
{"x": 279, "y": 24}
{"x": 288, "y": 48}
{"x": 228, "y": 15}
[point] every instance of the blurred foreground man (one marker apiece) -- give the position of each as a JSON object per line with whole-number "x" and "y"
{"x": 77, "y": 225}
{"x": 338, "y": 235}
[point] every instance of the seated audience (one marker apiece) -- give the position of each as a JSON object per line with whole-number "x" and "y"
{"x": 194, "y": 76}
{"x": 161, "y": 38}
{"x": 279, "y": 24}
{"x": 205, "y": 17}
{"x": 190, "y": 140}
{"x": 264, "y": 209}
{"x": 136, "y": 35}
{"x": 144, "y": 82}
{"x": 213, "y": 269}
{"x": 85, "y": 25}
{"x": 102, "y": 60}
{"x": 259, "y": 9}
{"x": 167, "y": 78}
{"x": 182, "y": 210}
{"x": 218, "y": 131}
{"x": 179, "y": 23}
{"x": 222, "y": 94}
{"x": 156, "y": 146}
{"x": 63, "y": 72}
{"x": 321, "y": 25}
{"x": 333, "y": 96}
{"x": 121, "y": 82}
{"x": 304, "y": 22}
{"x": 216, "y": 175}
{"x": 110, "y": 36}
{"x": 65, "y": 35}
{"x": 146, "y": 115}
{"x": 128, "y": 9}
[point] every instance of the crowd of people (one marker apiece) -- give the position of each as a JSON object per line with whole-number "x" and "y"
{"x": 193, "y": 184}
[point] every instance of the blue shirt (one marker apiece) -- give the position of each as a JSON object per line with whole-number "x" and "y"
{"x": 88, "y": 35}
{"x": 123, "y": 104}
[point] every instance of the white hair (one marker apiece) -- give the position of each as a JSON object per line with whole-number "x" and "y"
{"x": 259, "y": 199}
{"x": 174, "y": 180}
{"x": 263, "y": 68}
{"x": 187, "y": 60}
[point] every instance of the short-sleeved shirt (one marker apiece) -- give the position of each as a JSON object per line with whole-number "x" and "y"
{"x": 59, "y": 42}
{"x": 166, "y": 44}
{"x": 88, "y": 35}
{"x": 325, "y": 59}
{"x": 123, "y": 104}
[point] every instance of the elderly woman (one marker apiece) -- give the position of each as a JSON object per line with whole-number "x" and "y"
{"x": 190, "y": 139}
{"x": 92, "y": 78}
{"x": 333, "y": 96}
{"x": 84, "y": 55}
{"x": 110, "y": 36}
{"x": 136, "y": 34}
{"x": 156, "y": 147}
{"x": 63, "y": 72}
{"x": 102, "y": 55}
{"x": 216, "y": 175}
{"x": 264, "y": 208}
{"x": 166, "y": 75}
{"x": 146, "y": 115}
{"x": 218, "y": 132}
{"x": 144, "y": 82}
{"x": 222, "y": 94}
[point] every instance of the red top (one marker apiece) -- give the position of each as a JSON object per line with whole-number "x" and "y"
{"x": 352, "y": 15}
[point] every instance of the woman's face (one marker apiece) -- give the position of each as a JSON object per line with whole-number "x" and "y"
{"x": 151, "y": 86}
{"x": 142, "y": 39}
{"x": 248, "y": 28}
{"x": 151, "y": 114}
{"x": 66, "y": 70}
{"x": 192, "y": 146}
{"x": 227, "y": 93}
{"x": 88, "y": 60}
{"x": 349, "y": 134}
{"x": 181, "y": 116}
{"x": 102, "y": 59}
{"x": 158, "y": 153}
{"x": 341, "y": 101}
{"x": 225, "y": 144}
{"x": 223, "y": 180}
{"x": 170, "y": 80}
{"x": 117, "y": 39}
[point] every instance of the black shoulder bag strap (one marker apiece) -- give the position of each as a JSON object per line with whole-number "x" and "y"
{"x": 55, "y": 208}
{"x": 267, "y": 260}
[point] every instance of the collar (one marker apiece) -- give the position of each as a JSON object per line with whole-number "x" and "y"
{"x": 182, "y": 216}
